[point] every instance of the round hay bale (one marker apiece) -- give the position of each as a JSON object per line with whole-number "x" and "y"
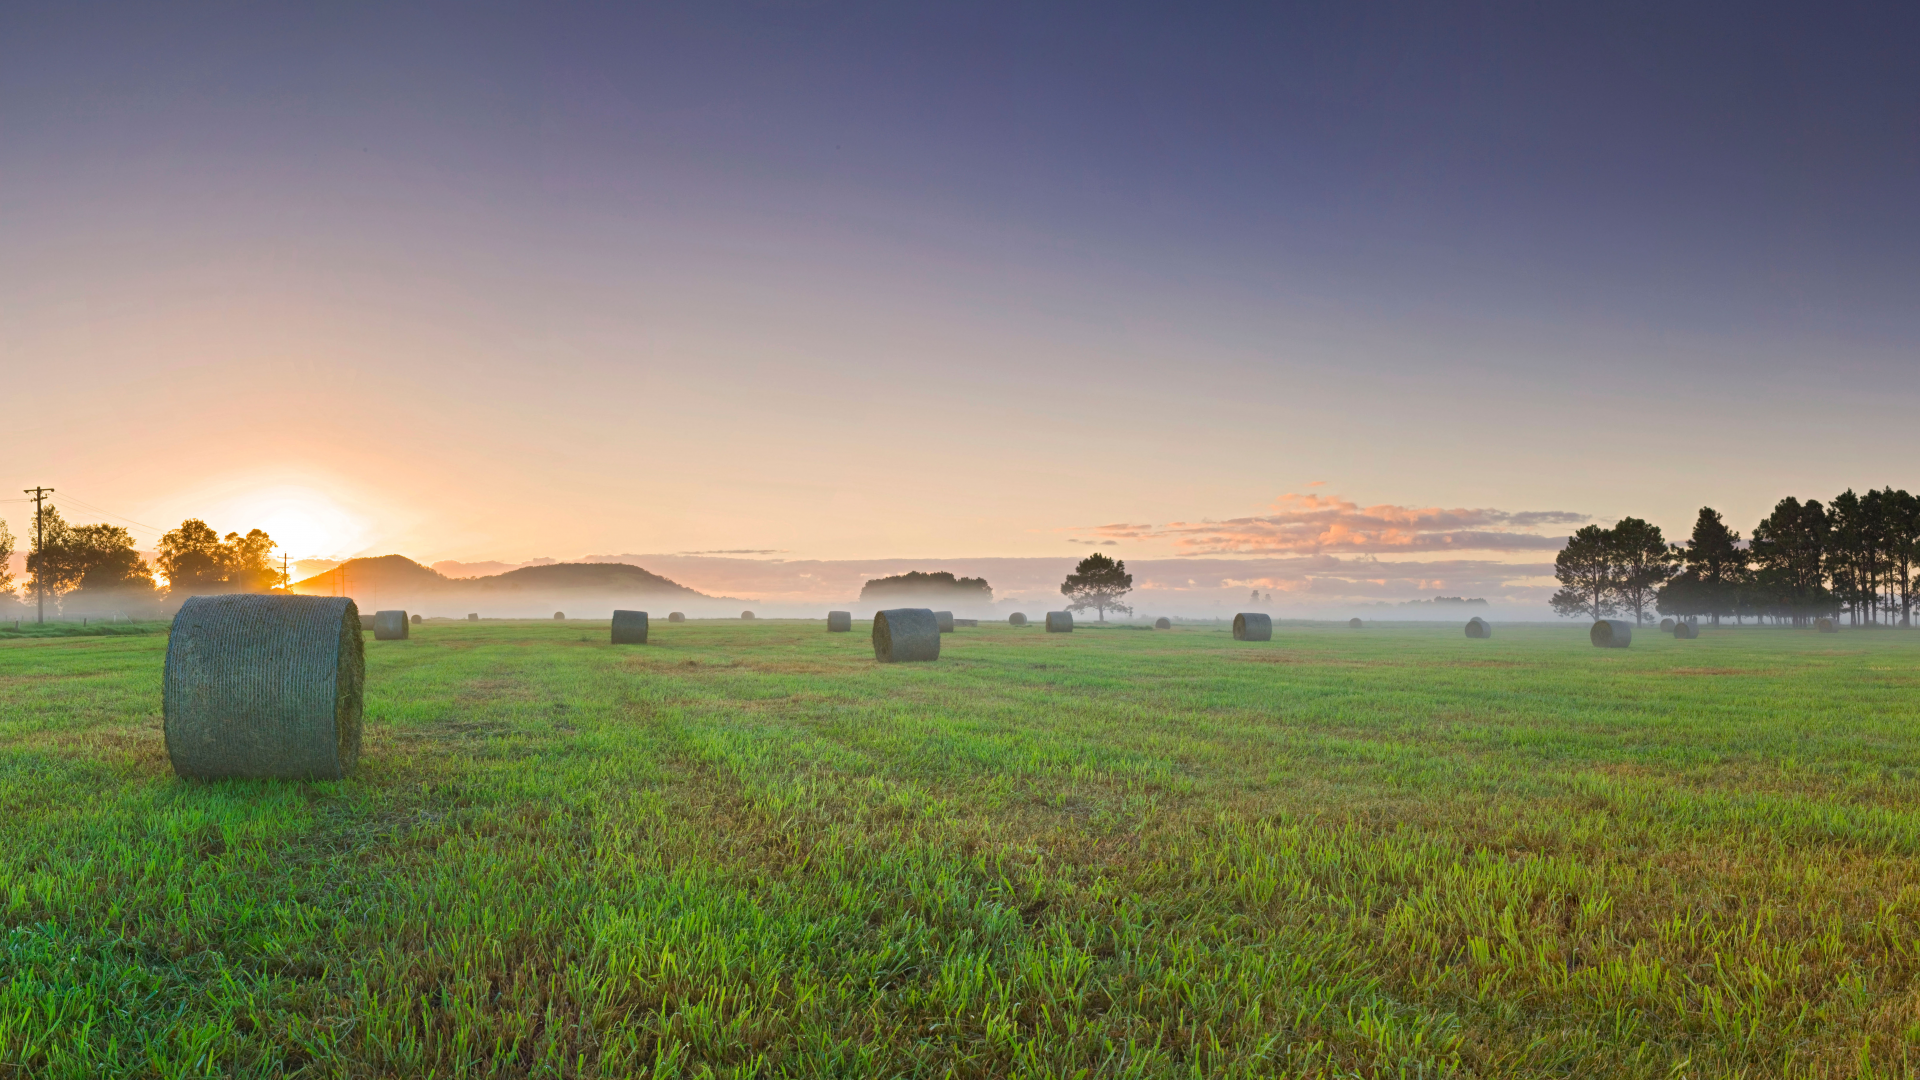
{"x": 1685, "y": 631}
{"x": 1611, "y": 633}
{"x": 902, "y": 635}
{"x": 264, "y": 686}
{"x": 1355, "y": 623}
{"x": 559, "y": 616}
{"x": 1825, "y": 626}
{"x": 676, "y": 616}
{"x": 390, "y": 626}
{"x": 747, "y": 616}
{"x": 1252, "y": 626}
{"x": 1018, "y": 618}
{"x": 415, "y": 620}
{"x": 945, "y": 619}
{"x": 1163, "y": 623}
{"x": 629, "y": 628}
{"x": 473, "y": 616}
{"x": 1666, "y": 626}
{"x": 1059, "y": 622}
{"x": 1478, "y": 627}
{"x": 839, "y": 622}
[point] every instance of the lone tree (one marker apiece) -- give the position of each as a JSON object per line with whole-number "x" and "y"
{"x": 1643, "y": 563}
{"x": 1098, "y": 583}
{"x": 1587, "y": 574}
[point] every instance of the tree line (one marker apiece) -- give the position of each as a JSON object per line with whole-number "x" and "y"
{"x": 97, "y": 567}
{"x": 1855, "y": 555}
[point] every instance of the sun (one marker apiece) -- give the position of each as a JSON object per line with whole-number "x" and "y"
{"x": 304, "y": 522}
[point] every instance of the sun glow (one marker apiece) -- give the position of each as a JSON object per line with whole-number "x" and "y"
{"x": 303, "y": 522}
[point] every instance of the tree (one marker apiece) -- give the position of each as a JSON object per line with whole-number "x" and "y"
{"x": 1715, "y": 566}
{"x": 247, "y": 561}
{"x": 97, "y": 562}
{"x": 46, "y": 562}
{"x": 1098, "y": 582}
{"x": 196, "y": 560}
{"x": 1643, "y": 561}
{"x": 1587, "y": 572}
{"x": 1790, "y": 566}
{"x": 6, "y": 559}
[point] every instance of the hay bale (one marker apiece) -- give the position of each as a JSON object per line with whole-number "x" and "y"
{"x": 1612, "y": 633}
{"x": 1825, "y": 626}
{"x": 964, "y": 623}
{"x": 1355, "y": 624}
{"x": 629, "y": 628}
{"x": 902, "y": 635}
{"x": 1018, "y": 618}
{"x": 264, "y": 686}
{"x": 1685, "y": 631}
{"x": 1163, "y": 624}
{"x": 416, "y": 620}
{"x": 839, "y": 622}
{"x": 559, "y": 616}
{"x": 1478, "y": 627}
{"x": 945, "y": 619}
{"x": 1252, "y": 626}
{"x": 473, "y": 616}
{"x": 1059, "y": 622}
{"x": 676, "y": 616}
{"x": 746, "y": 616}
{"x": 390, "y": 626}
{"x": 1666, "y": 626}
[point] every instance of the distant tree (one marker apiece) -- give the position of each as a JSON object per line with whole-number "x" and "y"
{"x": 1588, "y": 572}
{"x": 1903, "y": 548}
{"x": 918, "y": 583}
{"x": 1790, "y": 565}
{"x": 97, "y": 561}
{"x": 196, "y": 560}
{"x": 1643, "y": 562}
{"x": 1715, "y": 567}
{"x": 6, "y": 559}
{"x": 247, "y": 561}
{"x": 46, "y": 561}
{"x": 1098, "y": 582}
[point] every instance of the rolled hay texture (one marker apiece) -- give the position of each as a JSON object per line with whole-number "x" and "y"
{"x": 629, "y": 628}
{"x": 676, "y": 616}
{"x": 1163, "y": 624}
{"x": 473, "y": 616}
{"x": 1478, "y": 627}
{"x": 1685, "y": 631}
{"x": 1666, "y": 626}
{"x": 839, "y": 622}
{"x": 902, "y": 635}
{"x": 264, "y": 687}
{"x": 1355, "y": 623}
{"x": 1612, "y": 633}
{"x": 747, "y": 615}
{"x": 945, "y": 619}
{"x": 1018, "y": 618}
{"x": 1059, "y": 622}
{"x": 1825, "y": 626}
{"x": 1252, "y": 626}
{"x": 559, "y": 616}
{"x": 390, "y": 626}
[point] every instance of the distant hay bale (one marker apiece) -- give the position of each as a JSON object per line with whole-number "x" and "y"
{"x": 559, "y": 616}
{"x": 1163, "y": 624}
{"x": 1825, "y": 626}
{"x": 964, "y": 623}
{"x": 629, "y": 628}
{"x": 416, "y": 620}
{"x": 1666, "y": 626}
{"x": 1612, "y": 633}
{"x": 1018, "y": 618}
{"x": 390, "y": 626}
{"x": 903, "y": 635}
{"x": 676, "y": 616}
{"x": 1478, "y": 627}
{"x": 945, "y": 619}
{"x": 747, "y": 615}
{"x": 1685, "y": 631}
{"x": 839, "y": 622}
{"x": 1252, "y": 626}
{"x": 1059, "y": 622}
{"x": 1355, "y": 623}
{"x": 264, "y": 686}
{"x": 473, "y": 616}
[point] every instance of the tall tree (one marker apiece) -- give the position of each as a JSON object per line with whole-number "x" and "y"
{"x": 1587, "y": 571}
{"x": 1903, "y": 548}
{"x": 6, "y": 559}
{"x": 45, "y": 561}
{"x": 97, "y": 561}
{"x": 196, "y": 560}
{"x": 1644, "y": 561}
{"x": 1789, "y": 559}
{"x": 1715, "y": 567}
{"x": 1098, "y": 582}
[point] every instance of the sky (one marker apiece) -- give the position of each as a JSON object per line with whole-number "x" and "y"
{"x": 1322, "y": 284}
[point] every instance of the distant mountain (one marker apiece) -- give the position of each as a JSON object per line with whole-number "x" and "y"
{"x": 382, "y": 574}
{"x": 393, "y": 576}
{"x": 604, "y": 577}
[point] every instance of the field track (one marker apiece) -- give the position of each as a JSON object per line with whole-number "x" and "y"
{"x": 748, "y": 850}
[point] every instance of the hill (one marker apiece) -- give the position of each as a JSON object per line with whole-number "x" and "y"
{"x": 381, "y": 574}
{"x": 605, "y": 577}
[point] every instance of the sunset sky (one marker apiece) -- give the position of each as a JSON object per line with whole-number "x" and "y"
{"x": 1306, "y": 283}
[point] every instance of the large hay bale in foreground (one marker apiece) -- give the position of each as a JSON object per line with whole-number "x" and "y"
{"x": 267, "y": 687}
{"x": 559, "y": 616}
{"x": 1478, "y": 627}
{"x": 1018, "y": 618}
{"x": 747, "y": 616}
{"x": 1612, "y": 633}
{"x": 629, "y": 628}
{"x": 415, "y": 620}
{"x": 902, "y": 635}
{"x": 1355, "y": 623}
{"x": 676, "y": 616}
{"x": 390, "y": 626}
{"x": 1163, "y": 623}
{"x": 1685, "y": 631}
{"x": 1825, "y": 626}
{"x": 945, "y": 619}
{"x": 839, "y": 622}
{"x": 1059, "y": 622}
{"x": 1252, "y": 626}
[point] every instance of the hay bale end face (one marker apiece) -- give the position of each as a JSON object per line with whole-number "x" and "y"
{"x": 1478, "y": 627}
{"x": 1355, "y": 623}
{"x": 1611, "y": 633}
{"x": 473, "y": 616}
{"x": 1666, "y": 626}
{"x": 1825, "y": 626}
{"x": 390, "y": 626}
{"x": 945, "y": 619}
{"x": 1059, "y": 622}
{"x": 676, "y": 616}
{"x": 559, "y": 616}
{"x": 747, "y": 616}
{"x": 416, "y": 620}
{"x": 1018, "y": 618}
{"x": 839, "y": 622}
{"x": 265, "y": 687}
{"x": 1252, "y": 626}
{"x": 1163, "y": 624}
{"x": 629, "y": 628}
{"x": 1685, "y": 631}
{"x": 904, "y": 635}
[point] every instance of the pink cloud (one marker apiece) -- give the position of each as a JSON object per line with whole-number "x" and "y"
{"x": 1320, "y": 524}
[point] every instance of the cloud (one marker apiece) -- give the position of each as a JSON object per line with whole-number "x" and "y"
{"x": 1324, "y": 524}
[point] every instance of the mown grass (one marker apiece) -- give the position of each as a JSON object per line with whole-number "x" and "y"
{"x": 747, "y": 850}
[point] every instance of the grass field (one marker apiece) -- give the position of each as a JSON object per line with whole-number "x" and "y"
{"x": 748, "y": 850}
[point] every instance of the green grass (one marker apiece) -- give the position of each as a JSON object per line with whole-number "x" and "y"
{"x": 747, "y": 850}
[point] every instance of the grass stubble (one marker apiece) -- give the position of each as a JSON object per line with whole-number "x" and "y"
{"x": 748, "y": 850}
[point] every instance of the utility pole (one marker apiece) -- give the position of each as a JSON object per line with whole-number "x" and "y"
{"x": 286, "y": 582}
{"x": 39, "y": 544}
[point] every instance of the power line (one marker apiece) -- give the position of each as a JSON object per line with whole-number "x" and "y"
{"x": 92, "y": 509}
